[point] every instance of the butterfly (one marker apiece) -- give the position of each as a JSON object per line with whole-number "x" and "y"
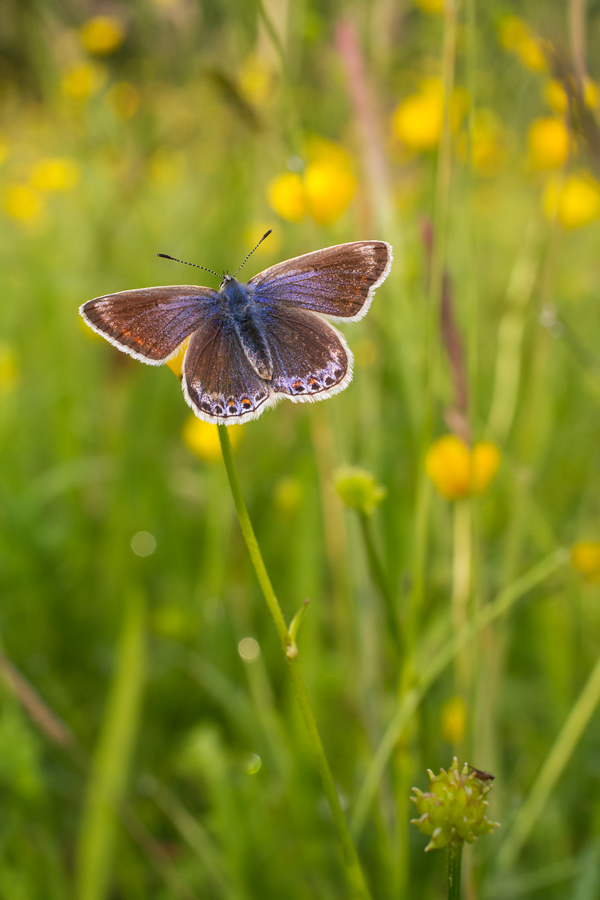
{"x": 251, "y": 343}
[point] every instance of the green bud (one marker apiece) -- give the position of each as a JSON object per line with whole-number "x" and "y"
{"x": 359, "y": 490}
{"x": 454, "y": 808}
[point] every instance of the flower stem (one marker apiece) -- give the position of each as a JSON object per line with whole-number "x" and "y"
{"x": 455, "y": 849}
{"x": 381, "y": 582}
{"x": 353, "y": 867}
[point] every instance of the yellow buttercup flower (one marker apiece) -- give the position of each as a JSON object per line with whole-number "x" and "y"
{"x": 324, "y": 191}
{"x": 124, "y": 99}
{"x": 454, "y": 720}
{"x": 556, "y": 96}
{"x": 166, "y": 167}
{"x": 102, "y": 35}
{"x": 591, "y": 94}
{"x": 459, "y": 472}
{"x": 82, "y": 80}
{"x": 433, "y": 7}
{"x": 585, "y": 559}
{"x": 548, "y": 141}
{"x": 55, "y": 174}
{"x": 328, "y": 189}
{"x": 487, "y": 144}
{"x": 286, "y": 196}
{"x": 202, "y": 438}
{"x": 23, "y": 203}
{"x": 418, "y": 120}
{"x": 516, "y": 36}
{"x": 176, "y": 362}
{"x": 255, "y": 79}
{"x": 575, "y": 201}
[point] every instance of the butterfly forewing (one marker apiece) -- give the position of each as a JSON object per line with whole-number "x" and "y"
{"x": 150, "y": 323}
{"x": 218, "y": 381}
{"x": 338, "y": 281}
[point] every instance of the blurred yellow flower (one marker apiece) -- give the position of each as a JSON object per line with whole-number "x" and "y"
{"x": 431, "y": 6}
{"x": 102, "y": 35}
{"x": 325, "y": 190}
{"x": 255, "y": 79}
{"x": 23, "y": 202}
{"x": 585, "y": 558}
{"x": 575, "y": 201}
{"x": 288, "y": 495}
{"x": 458, "y": 472}
{"x": 556, "y": 96}
{"x": 454, "y": 720}
{"x": 202, "y": 438}
{"x": 55, "y": 174}
{"x": 591, "y": 94}
{"x": 4, "y": 151}
{"x": 82, "y": 80}
{"x": 8, "y": 368}
{"x": 487, "y": 144}
{"x": 328, "y": 189}
{"x": 124, "y": 99}
{"x": 166, "y": 167}
{"x": 516, "y": 36}
{"x": 176, "y": 362}
{"x": 548, "y": 141}
{"x": 286, "y": 196}
{"x": 418, "y": 120}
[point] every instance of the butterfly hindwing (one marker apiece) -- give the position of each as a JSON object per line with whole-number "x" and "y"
{"x": 150, "y": 323}
{"x": 311, "y": 359}
{"x": 338, "y": 281}
{"x": 219, "y": 383}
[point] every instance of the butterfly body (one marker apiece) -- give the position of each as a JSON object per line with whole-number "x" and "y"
{"x": 251, "y": 343}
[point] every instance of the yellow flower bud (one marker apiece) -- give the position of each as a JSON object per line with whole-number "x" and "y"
{"x": 548, "y": 141}
{"x": 102, "y": 35}
{"x": 458, "y": 472}
{"x": 359, "y": 489}
{"x": 575, "y": 201}
{"x": 585, "y": 558}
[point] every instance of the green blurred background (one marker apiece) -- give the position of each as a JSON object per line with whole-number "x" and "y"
{"x": 150, "y": 746}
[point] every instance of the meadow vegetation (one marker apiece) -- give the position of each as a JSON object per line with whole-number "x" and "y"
{"x": 442, "y": 515}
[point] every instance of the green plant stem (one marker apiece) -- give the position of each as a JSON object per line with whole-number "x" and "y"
{"x": 381, "y": 582}
{"x": 353, "y": 867}
{"x": 455, "y": 849}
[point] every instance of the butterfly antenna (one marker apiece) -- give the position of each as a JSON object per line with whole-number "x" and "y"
{"x": 252, "y": 251}
{"x": 195, "y": 265}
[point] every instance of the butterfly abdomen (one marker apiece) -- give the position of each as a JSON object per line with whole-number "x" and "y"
{"x": 242, "y": 313}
